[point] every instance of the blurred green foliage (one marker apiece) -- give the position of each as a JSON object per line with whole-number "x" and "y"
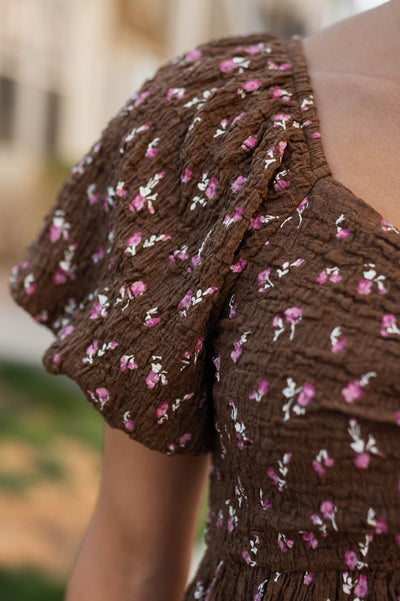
{"x": 35, "y": 408}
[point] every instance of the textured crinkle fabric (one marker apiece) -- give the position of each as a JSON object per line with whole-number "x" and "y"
{"x": 213, "y": 288}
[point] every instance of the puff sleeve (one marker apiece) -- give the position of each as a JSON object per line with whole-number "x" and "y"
{"x": 132, "y": 264}
{"x": 119, "y": 276}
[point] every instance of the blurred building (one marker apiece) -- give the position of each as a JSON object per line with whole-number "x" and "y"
{"x": 66, "y": 67}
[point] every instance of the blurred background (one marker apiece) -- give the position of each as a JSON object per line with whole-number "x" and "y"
{"x": 66, "y": 67}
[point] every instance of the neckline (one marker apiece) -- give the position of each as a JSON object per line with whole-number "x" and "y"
{"x": 319, "y": 163}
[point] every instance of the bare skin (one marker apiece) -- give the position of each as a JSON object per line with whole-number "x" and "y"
{"x": 139, "y": 541}
{"x": 354, "y": 69}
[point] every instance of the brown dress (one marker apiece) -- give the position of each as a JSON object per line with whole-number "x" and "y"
{"x": 213, "y": 288}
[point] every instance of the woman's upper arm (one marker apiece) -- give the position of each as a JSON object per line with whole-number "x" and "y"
{"x": 151, "y": 501}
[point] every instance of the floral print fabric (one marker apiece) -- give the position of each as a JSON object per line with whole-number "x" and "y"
{"x": 213, "y": 288}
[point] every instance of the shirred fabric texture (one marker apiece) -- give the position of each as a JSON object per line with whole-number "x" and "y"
{"x": 213, "y": 288}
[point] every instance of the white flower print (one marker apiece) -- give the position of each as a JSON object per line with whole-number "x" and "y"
{"x": 208, "y": 186}
{"x": 283, "y": 469}
{"x": 145, "y": 195}
{"x": 337, "y": 344}
{"x": 370, "y": 278}
{"x": 388, "y": 325}
{"x": 363, "y": 449}
{"x": 238, "y": 346}
{"x": 59, "y": 227}
{"x": 94, "y": 349}
{"x": 341, "y": 232}
{"x": 293, "y": 316}
{"x": 239, "y": 426}
{"x": 156, "y": 374}
{"x": 305, "y": 393}
{"x": 322, "y": 461}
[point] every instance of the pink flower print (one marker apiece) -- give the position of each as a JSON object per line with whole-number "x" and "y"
{"x": 353, "y": 389}
{"x": 132, "y": 243}
{"x": 206, "y": 186}
{"x": 29, "y": 284}
{"x": 101, "y": 396}
{"x": 87, "y": 159}
{"x": 150, "y": 321}
{"x": 93, "y": 349}
{"x": 364, "y": 287}
{"x": 222, "y": 128}
{"x": 151, "y": 148}
{"x": 305, "y": 395}
{"x": 128, "y": 422}
{"x": 121, "y": 190}
{"x": 100, "y": 307}
{"x": 281, "y": 120}
{"x": 316, "y": 134}
{"x": 42, "y": 317}
{"x": 127, "y": 362}
{"x": 92, "y": 195}
{"x": 238, "y": 346}
{"x": 263, "y": 280}
{"x": 178, "y": 92}
{"x": 145, "y": 195}
{"x": 337, "y": 345}
{"x": 332, "y": 272}
{"x": 184, "y": 439}
{"x": 109, "y": 199}
{"x": 65, "y": 268}
{"x": 361, "y": 588}
{"x": 59, "y": 226}
{"x": 161, "y": 413}
{"x": 280, "y": 183}
{"x": 397, "y": 418}
{"x": 340, "y": 231}
{"x": 263, "y": 386}
{"x": 274, "y": 66}
{"x": 193, "y": 55}
{"x": 351, "y": 559}
{"x": 156, "y": 374}
{"x": 232, "y": 308}
{"x": 360, "y": 447}
{"x": 321, "y": 461}
{"x": 236, "y": 62}
{"x": 65, "y": 331}
{"x": 238, "y": 216}
{"x": 280, "y": 481}
{"x": 328, "y": 510}
{"x": 284, "y": 543}
{"x": 293, "y": 317}
{"x": 56, "y": 358}
{"x": 380, "y": 524}
{"x": 254, "y": 48}
{"x": 211, "y": 188}
{"x": 187, "y": 176}
{"x": 261, "y": 591}
{"x": 278, "y": 92}
{"x": 387, "y": 226}
{"x": 129, "y": 292}
{"x": 253, "y": 549}
{"x": 194, "y": 299}
{"x": 98, "y": 255}
{"x": 249, "y": 86}
{"x": 249, "y": 143}
{"x": 370, "y": 278}
{"x": 140, "y": 98}
{"x": 388, "y": 325}
{"x": 239, "y": 266}
{"x": 239, "y": 426}
{"x": 310, "y": 539}
{"x": 309, "y": 577}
